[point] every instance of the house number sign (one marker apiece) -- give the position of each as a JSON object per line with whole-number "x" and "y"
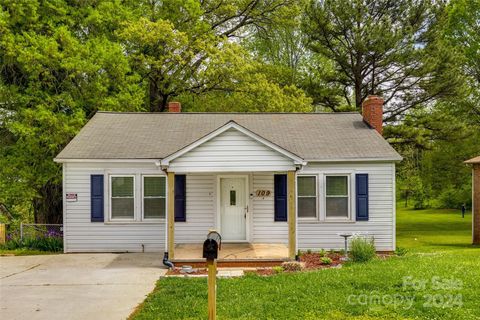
{"x": 263, "y": 193}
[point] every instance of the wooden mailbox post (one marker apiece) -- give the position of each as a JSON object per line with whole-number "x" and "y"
{"x": 210, "y": 252}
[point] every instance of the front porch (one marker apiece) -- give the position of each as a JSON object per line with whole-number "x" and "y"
{"x": 234, "y": 251}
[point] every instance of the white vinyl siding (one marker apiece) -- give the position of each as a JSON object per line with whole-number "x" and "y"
{"x": 200, "y": 210}
{"x": 231, "y": 151}
{"x": 265, "y": 228}
{"x": 82, "y": 235}
{"x": 324, "y": 234}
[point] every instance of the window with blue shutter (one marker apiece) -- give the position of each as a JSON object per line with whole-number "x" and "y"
{"x": 280, "y": 194}
{"x": 361, "y": 181}
{"x": 96, "y": 197}
{"x": 180, "y": 198}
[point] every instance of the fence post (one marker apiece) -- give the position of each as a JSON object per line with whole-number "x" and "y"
{"x": 2, "y": 233}
{"x": 21, "y": 230}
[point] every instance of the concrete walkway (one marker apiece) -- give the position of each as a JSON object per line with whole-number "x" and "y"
{"x": 76, "y": 286}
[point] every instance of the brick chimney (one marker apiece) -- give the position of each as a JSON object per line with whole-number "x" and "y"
{"x": 372, "y": 111}
{"x": 174, "y": 107}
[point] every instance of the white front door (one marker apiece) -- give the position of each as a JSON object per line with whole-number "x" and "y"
{"x": 233, "y": 209}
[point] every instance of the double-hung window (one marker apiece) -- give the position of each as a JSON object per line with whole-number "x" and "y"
{"x": 154, "y": 191}
{"x": 337, "y": 197}
{"x": 122, "y": 202}
{"x": 307, "y": 196}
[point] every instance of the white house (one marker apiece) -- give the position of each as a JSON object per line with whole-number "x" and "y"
{"x": 150, "y": 181}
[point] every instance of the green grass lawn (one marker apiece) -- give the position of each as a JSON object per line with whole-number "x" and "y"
{"x": 433, "y": 230}
{"x": 439, "y": 252}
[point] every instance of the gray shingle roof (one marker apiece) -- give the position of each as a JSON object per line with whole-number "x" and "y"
{"x": 312, "y": 136}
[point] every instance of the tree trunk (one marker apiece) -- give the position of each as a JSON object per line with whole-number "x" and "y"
{"x": 48, "y": 207}
{"x": 157, "y": 100}
{"x": 358, "y": 95}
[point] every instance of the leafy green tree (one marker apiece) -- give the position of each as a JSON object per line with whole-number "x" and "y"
{"x": 51, "y": 81}
{"x": 463, "y": 32}
{"x": 390, "y": 48}
{"x": 61, "y": 61}
{"x": 186, "y": 47}
{"x": 287, "y": 60}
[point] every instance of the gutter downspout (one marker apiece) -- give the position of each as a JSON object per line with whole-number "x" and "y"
{"x": 165, "y": 260}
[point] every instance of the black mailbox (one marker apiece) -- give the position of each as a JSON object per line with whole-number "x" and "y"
{"x": 212, "y": 245}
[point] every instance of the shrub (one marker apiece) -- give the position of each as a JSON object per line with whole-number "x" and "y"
{"x": 309, "y": 251}
{"x": 293, "y": 266}
{"x": 362, "y": 249}
{"x": 52, "y": 243}
{"x": 326, "y": 260}
{"x": 322, "y": 253}
{"x": 277, "y": 269}
{"x": 299, "y": 253}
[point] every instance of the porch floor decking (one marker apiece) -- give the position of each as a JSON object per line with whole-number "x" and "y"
{"x": 234, "y": 251}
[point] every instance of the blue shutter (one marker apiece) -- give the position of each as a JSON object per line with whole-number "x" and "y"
{"x": 280, "y": 193}
{"x": 180, "y": 198}
{"x": 362, "y": 196}
{"x": 96, "y": 197}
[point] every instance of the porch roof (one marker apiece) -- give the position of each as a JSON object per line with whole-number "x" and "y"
{"x": 310, "y": 136}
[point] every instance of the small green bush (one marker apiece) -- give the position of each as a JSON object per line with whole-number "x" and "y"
{"x": 322, "y": 253}
{"x": 362, "y": 249}
{"x": 326, "y": 260}
{"x": 309, "y": 251}
{"x": 277, "y": 269}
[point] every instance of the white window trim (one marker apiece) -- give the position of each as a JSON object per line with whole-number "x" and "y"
{"x": 349, "y": 198}
{"x": 110, "y": 197}
{"x": 143, "y": 198}
{"x": 317, "y": 216}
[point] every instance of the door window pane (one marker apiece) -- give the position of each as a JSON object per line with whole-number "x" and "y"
{"x": 233, "y": 197}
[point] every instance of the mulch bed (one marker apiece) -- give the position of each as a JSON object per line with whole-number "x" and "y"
{"x": 312, "y": 260}
{"x": 196, "y": 271}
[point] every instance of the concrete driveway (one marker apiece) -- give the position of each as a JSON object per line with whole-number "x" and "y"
{"x": 76, "y": 286}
